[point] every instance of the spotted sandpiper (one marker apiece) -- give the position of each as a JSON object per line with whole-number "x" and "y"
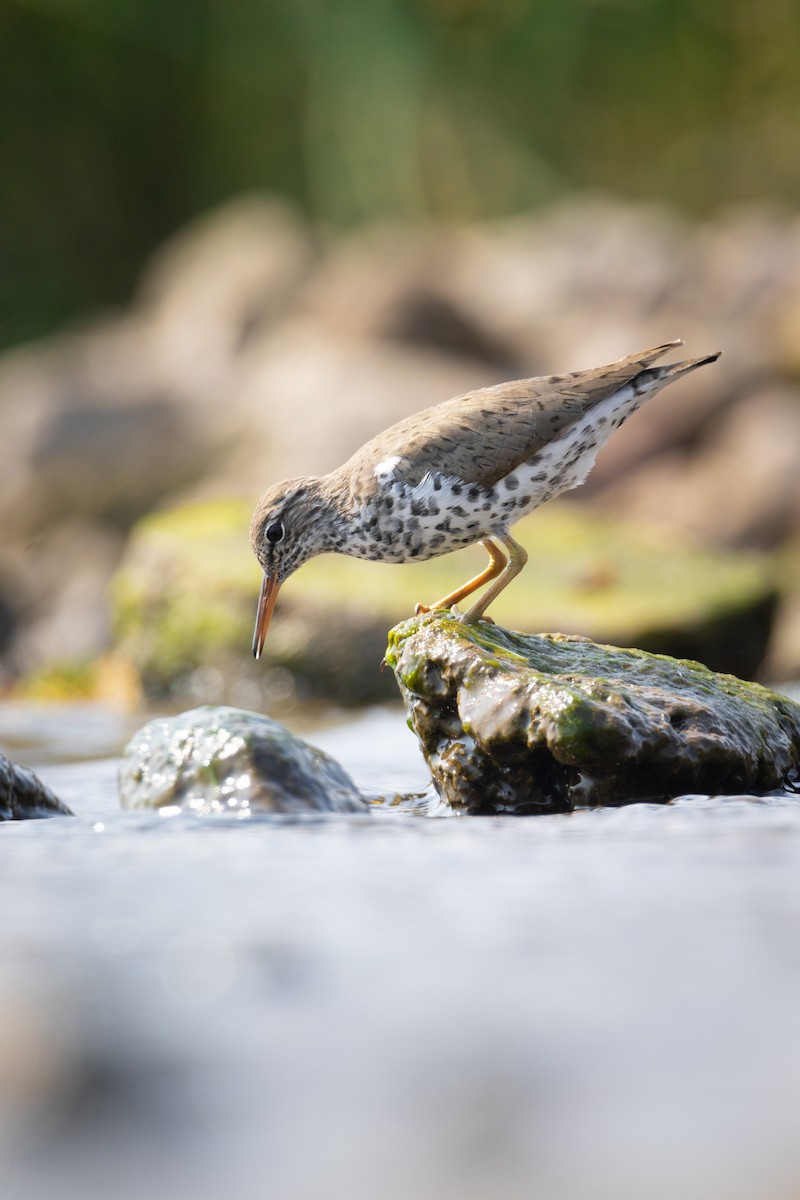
{"x": 458, "y": 473}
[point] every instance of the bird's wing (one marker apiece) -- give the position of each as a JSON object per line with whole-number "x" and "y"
{"x": 484, "y": 435}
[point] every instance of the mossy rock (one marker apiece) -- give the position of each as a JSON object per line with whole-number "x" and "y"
{"x": 548, "y": 723}
{"x": 185, "y": 599}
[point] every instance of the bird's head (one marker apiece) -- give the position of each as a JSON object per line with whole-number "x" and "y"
{"x": 291, "y": 524}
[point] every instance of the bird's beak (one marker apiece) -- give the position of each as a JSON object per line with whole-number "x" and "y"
{"x": 266, "y": 603}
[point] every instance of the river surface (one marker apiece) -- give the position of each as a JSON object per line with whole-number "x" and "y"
{"x": 605, "y": 1004}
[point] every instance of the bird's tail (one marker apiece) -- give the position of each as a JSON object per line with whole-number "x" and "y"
{"x": 645, "y": 380}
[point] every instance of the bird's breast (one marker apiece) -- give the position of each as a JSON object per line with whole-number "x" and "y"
{"x": 403, "y": 522}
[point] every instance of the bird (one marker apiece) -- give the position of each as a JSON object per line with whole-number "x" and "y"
{"x": 461, "y": 472}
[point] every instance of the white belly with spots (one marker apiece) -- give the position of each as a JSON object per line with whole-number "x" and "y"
{"x": 401, "y": 523}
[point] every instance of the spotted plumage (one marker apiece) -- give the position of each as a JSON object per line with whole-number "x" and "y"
{"x": 461, "y": 472}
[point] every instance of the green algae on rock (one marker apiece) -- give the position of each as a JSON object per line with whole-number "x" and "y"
{"x": 185, "y": 600}
{"x": 220, "y": 760}
{"x": 546, "y": 723}
{"x": 23, "y": 796}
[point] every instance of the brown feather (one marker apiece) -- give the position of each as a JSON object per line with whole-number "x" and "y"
{"x": 484, "y": 435}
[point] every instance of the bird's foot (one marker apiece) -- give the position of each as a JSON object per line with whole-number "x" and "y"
{"x": 465, "y": 618}
{"x": 419, "y": 609}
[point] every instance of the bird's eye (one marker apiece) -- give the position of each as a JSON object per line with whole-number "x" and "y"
{"x": 274, "y": 532}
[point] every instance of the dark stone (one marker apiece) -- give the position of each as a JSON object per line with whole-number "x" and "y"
{"x": 426, "y": 319}
{"x": 23, "y": 796}
{"x": 547, "y": 723}
{"x": 224, "y": 760}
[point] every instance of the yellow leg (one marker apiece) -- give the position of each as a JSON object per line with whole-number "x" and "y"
{"x": 497, "y": 563}
{"x": 517, "y": 557}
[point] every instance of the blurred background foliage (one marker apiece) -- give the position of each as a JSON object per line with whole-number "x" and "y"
{"x": 121, "y": 119}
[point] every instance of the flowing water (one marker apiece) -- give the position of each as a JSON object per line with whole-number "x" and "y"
{"x": 605, "y": 1004}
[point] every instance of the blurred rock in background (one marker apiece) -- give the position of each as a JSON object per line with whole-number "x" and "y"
{"x": 256, "y": 349}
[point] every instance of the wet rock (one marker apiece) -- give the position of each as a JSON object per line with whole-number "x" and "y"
{"x": 225, "y": 760}
{"x": 23, "y": 796}
{"x": 186, "y": 591}
{"x": 547, "y": 723}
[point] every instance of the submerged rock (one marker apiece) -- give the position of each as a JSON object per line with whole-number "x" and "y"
{"x": 23, "y": 796}
{"x": 547, "y": 723}
{"x": 225, "y": 760}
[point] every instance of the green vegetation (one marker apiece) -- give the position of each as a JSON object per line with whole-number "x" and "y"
{"x": 120, "y": 120}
